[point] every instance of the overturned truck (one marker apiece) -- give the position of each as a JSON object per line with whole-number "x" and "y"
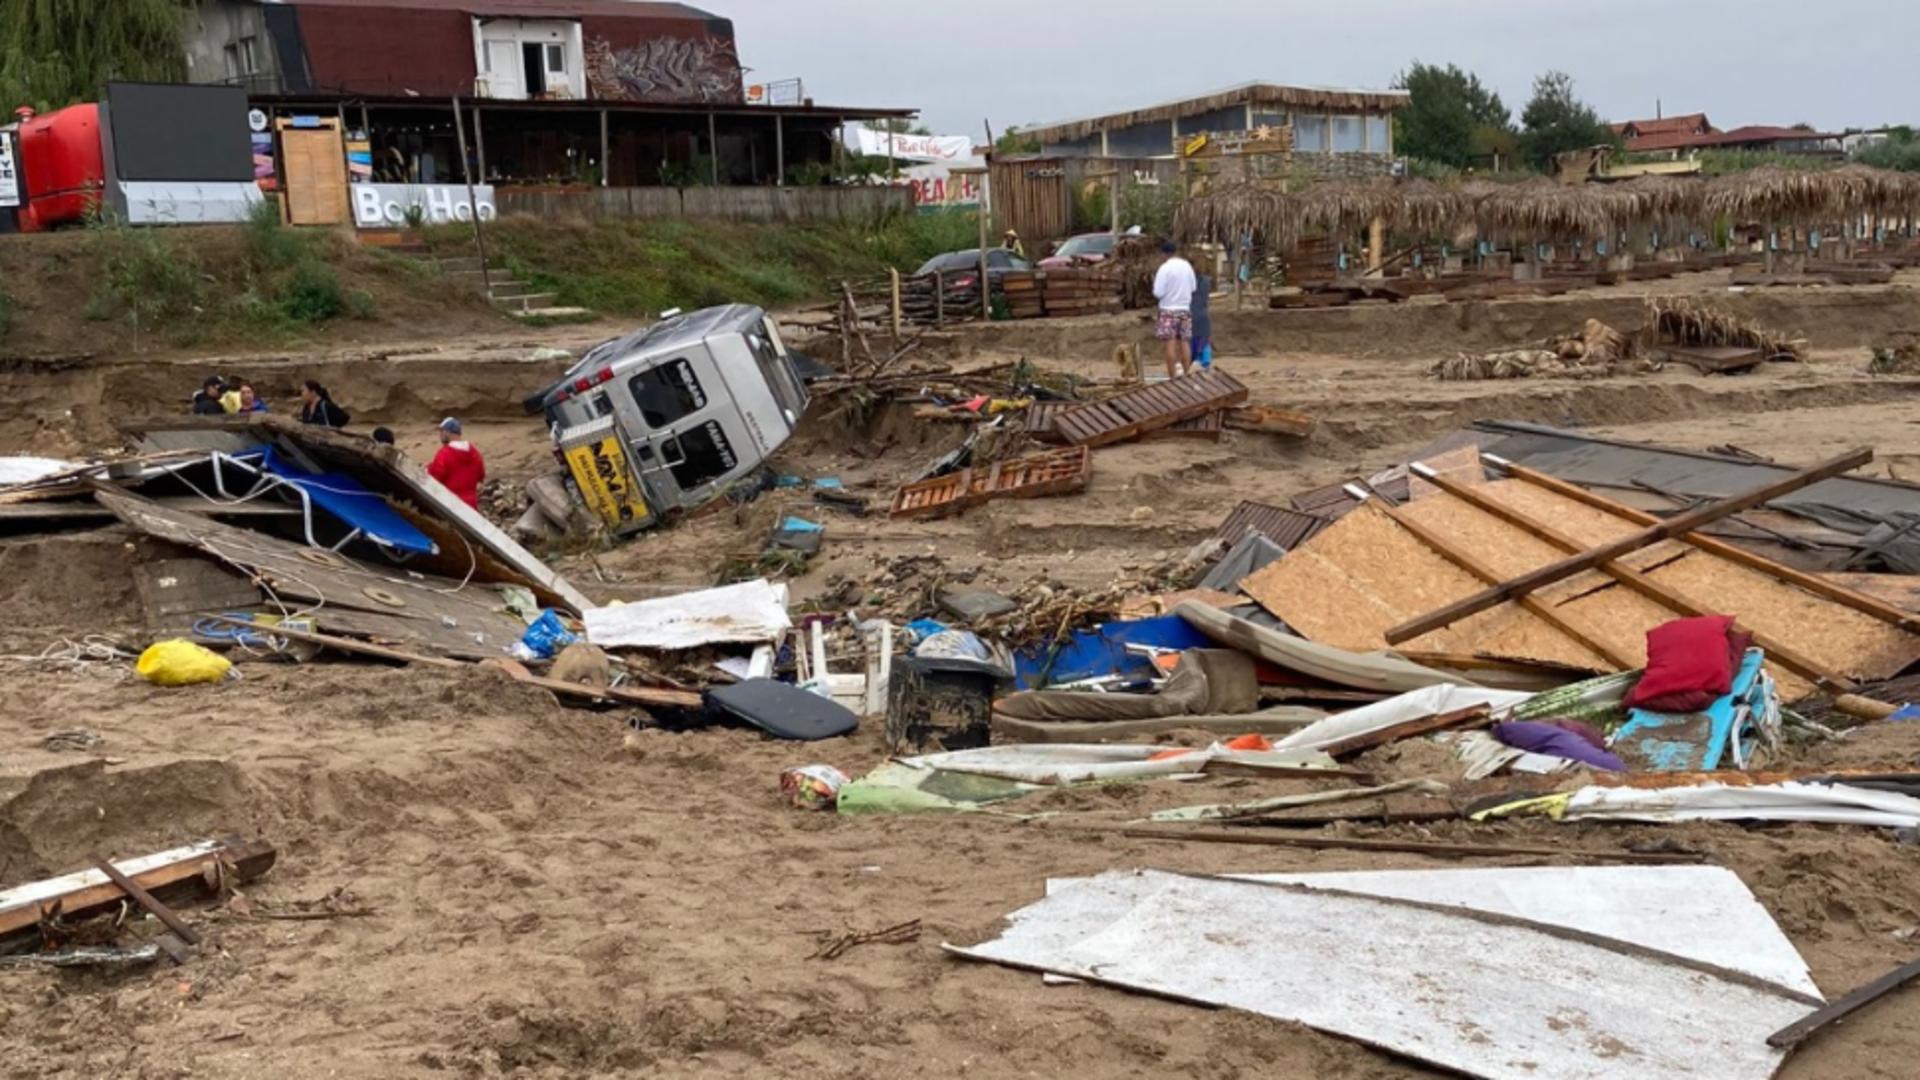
{"x": 662, "y": 420}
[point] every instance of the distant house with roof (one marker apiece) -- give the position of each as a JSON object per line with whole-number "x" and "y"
{"x": 1325, "y": 123}
{"x": 1675, "y": 137}
{"x": 1663, "y": 133}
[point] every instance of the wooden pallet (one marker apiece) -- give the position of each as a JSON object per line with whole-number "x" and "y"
{"x": 1134, "y": 413}
{"x": 1042, "y": 414}
{"x": 1053, "y": 472}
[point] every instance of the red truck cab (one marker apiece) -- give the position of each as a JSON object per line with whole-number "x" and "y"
{"x": 63, "y": 166}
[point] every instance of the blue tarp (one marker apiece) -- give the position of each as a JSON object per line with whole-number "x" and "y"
{"x": 347, "y": 499}
{"x": 1103, "y": 652}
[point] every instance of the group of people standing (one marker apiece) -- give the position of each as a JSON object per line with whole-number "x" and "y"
{"x": 457, "y": 465}
{"x": 1183, "y": 323}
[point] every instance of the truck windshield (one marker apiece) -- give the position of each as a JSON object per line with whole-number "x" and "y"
{"x": 707, "y": 456}
{"x": 667, "y": 394}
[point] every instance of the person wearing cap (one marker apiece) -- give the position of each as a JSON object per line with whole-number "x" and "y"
{"x": 1011, "y": 242}
{"x": 458, "y": 465}
{"x": 206, "y": 400}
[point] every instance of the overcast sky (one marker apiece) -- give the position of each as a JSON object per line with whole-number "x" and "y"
{"x": 1830, "y": 63}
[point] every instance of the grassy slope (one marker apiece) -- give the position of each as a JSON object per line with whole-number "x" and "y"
{"x": 628, "y": 267}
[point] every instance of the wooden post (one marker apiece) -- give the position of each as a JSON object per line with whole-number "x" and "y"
{"x": 479, "y": 140}
{"x": 939, "y": 299}
{"x": 713, "y": 149}
{"x": 1113, "y": 201}
{"x": 779, "y": 150}
{"x": 986, "y": 284}
{"x": 893, "y": 281}
{"x": 606, "y": 159}
{"x": 1633, "y": 579}
{"x": 1677, "y": 525}
{"x": 1376, "y": 244}
{"x": 473, "y": 204}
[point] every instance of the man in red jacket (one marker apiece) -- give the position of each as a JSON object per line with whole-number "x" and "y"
{"x": 458, "y": 465}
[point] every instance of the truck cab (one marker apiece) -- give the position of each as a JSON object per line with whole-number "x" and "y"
{"x": 663, "y": 419}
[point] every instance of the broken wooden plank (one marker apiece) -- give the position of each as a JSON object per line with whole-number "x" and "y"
{"x": 1476, "y": 716}
{"x": 1273, "y": 421}
{"x": 1287, "y": 528}
{"x": 625, "y": 695}
{"x": 1677, "y": 525}
{"x": 1133, "y": 413}
{"x": 1811, "y": 1024}
{"x": 170, "y": 875}
{"x": 145, "y": 899}
{"x": 1244, "y": 835}
{"x": 1716, "y": 359}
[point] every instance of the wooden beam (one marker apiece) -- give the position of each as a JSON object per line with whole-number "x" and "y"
{"x": 1633, "y": 579}
{"x": 1807, "y": 1026}
{"x": 1652, "y": 534}
{"x": 1248, "y": 835}
{"x": 146, "y": 900}
{"x": 89, "y": 892}
{"x": 1812, "y": 583}
{"x": 625, "y": 695}
{"x": 1542, "y": 610}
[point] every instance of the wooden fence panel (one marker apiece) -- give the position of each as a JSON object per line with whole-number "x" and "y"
{"x": 792, "y": 204}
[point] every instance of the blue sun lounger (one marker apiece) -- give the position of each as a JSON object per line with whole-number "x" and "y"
{"x": 1722, "y": 735}
{"x": 341, "y": 497}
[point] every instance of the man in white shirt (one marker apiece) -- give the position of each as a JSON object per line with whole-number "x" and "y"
{"x": 1173, "y": 286}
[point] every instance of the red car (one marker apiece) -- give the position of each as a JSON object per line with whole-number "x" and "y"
{"x": 1080, "y": 250}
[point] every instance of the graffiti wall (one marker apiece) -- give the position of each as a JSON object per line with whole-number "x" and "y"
{"x": 668, "y": 70}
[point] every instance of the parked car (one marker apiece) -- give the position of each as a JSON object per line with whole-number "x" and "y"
{"x": 1080, "y": 250}
{"x": 962, "y": 268}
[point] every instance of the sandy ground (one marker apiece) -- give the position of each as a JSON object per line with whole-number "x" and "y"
{"x": 554, "y": 893}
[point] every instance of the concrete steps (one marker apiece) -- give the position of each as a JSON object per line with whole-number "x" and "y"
{"x": 506, "y": 292}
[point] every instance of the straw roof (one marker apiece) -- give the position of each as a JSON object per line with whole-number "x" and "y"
{"x": 1544, "y": 209}
{"x": 1772, "y": 193}
{"x": 1257, "y": 94}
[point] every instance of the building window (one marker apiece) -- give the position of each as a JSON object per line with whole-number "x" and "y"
{"x": 1379, "y": 137}
{"x": 556, "y": 59}
{"x": 249, "y": 61}
{"x": 1347, "y": 135}
{"x": 233, "y": 61}
{"x": 1309, "y": 133}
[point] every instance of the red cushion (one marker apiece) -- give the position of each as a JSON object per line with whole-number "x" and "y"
{"x": 1686, "y": 656}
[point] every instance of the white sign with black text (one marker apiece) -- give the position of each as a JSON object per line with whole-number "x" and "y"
{"x": 9, "y": 172}
{"x": 385, "y": 206}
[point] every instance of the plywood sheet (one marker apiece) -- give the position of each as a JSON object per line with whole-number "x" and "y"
{"x": 1347, "y": 585}
{"x": 1351, "y": 583}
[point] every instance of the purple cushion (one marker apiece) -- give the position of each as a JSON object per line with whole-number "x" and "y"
{"x": 1556, "y": 742}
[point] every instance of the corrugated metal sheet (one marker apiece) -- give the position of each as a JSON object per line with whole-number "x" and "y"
{"x": 1287, "y": 528}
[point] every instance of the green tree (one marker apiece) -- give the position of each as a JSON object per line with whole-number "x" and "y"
{"x": 56, "y": 52}
{"x": 1012, "y": 141}
{"x": 1900, "y": 150}
{"x": 1452, "y": 118}
{"x": 1556, "y": 121}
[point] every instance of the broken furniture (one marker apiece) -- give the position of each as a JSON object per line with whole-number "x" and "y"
{"x": 1133, "y": 413}
{"x": 1053, "y": 472}
{"x": 782, "y": 710}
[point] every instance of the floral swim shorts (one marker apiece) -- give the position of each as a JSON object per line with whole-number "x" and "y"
{"x": 1174, "y": 326}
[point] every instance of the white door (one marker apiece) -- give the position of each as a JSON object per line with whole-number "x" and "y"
{"x": 505, "y": 72}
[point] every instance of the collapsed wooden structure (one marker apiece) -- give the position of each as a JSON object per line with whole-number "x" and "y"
{"x": 1532, "y": 569}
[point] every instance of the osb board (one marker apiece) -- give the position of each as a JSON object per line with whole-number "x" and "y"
{"x": 1346, "y": 586}
{"x": 1900, "y": 590}
{"x": 1460, "y": 464}
{"x": 1364, "y": 575}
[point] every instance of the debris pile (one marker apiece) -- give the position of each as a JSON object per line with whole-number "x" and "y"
{"x": 1682, "y": 321}
{"x": 1597, "y": 351}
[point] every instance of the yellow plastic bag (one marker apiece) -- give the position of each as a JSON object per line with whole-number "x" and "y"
{"x": 181, "y": 663}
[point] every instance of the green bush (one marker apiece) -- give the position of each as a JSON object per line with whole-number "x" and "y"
{"x": 142, "y": 274}
{"x": 271, "y": 244}
{"x": 312, "y": 292}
